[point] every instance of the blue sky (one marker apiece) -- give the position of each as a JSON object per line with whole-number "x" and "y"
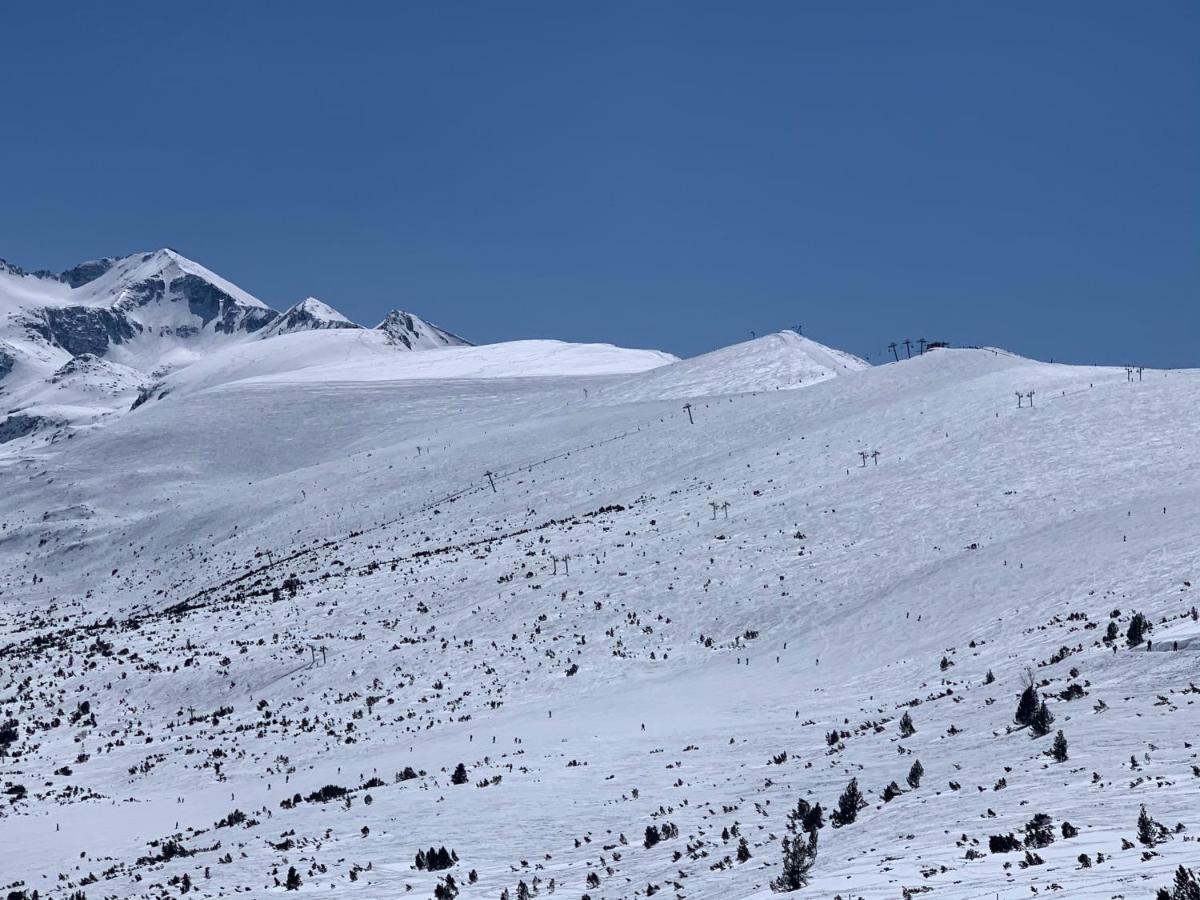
{"x": 673, "y": 175}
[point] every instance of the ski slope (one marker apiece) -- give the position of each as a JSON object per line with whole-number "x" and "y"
{"x": 276, "y": 577}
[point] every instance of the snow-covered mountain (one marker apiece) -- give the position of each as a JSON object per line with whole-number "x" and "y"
{"x": 147, "y": 315}
{"x": 309, "y": 314}
{"x": 302, "y": 622}
{"x": 138, "y": 309}
{"x": 414, "y": 333}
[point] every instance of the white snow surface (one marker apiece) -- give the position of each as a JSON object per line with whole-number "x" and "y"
{"x": 281, "y": 576}
{"x": 367, "y": 355}
{"x": 773, "y": 362}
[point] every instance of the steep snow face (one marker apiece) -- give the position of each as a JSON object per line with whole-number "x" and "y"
{"x": 308, "y": 315}
{"x": 330, "y": 583}
{"x": 415, "y": 333}
{"x": 774, "y": 362}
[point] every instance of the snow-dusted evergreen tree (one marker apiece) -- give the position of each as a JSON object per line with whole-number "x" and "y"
{"x": 1150, "y": 832}
{"x": 1026, "y": 706}
{"x": 1186, "y": 887}
{"x": 743, "y": 850}
{"x": 1039, "y": 831}
{"x": 1059, "y": 750}
{"x": 1041, "y": 721}
{"x": 799, "y": 851}
{"x": 915, "y": 773}
{"x": 806, "y": 816}
{"x": 849, "y": 804}
{"x": 1139, "y": 625}
{"x": 907, "y": 729}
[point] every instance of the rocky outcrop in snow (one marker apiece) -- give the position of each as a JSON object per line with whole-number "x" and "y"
{"x": 415, "y": 333}
{"x": 308, "y": 315}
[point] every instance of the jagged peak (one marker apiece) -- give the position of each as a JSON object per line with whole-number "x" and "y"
{"x": 310, "y": 314}
{"x": 166, "y": 264}
{"x": 415, "y": 333}
{"x": 319, "y": 308}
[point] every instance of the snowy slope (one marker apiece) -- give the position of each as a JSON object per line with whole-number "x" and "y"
{"x": 773, "y": 362}
{"x": 369, "y": 355}
{"x": 312, "y": 581}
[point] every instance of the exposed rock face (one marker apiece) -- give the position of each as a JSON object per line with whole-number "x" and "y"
{"x": 83, "y": 329}
{"x": 210, "y": 303}
{"x": 88, "y": 271}
{"x": 19, "y": 426}
{"x": 308, "y": 315}
{"x": 7, "y": 361}
{"x": 416, "y": 334}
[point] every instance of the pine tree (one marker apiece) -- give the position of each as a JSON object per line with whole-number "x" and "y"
{"x": 460, "y": 775}
{"x": 806, "y": 817}
{"x": 907, "y": 729}
{"x": 1150, "y": 832}
{"x": 891, "y": 792}
{"x": 743, "y": 850}
{"x": 1187, "y": 887}
{"x": 1039, "y": 831}
{"x": 849, "y": 804}
{"x": 1042, "y": 720}
{"x": 799, "y": 852}
{"x": 1026, "y": 706}
{"x": 915, "y": 773}
{"x": 1112, "y": 633}
{"x": 1059, "y": 750}
{"x": 293, "y": 879}
{"x": 1138, "y": 626}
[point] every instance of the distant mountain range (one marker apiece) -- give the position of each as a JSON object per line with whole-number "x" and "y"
{"x": 78, "y": 345}
{"x": 81, "y": 347}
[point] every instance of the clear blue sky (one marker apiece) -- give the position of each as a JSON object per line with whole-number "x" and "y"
{"x": 656, "y": 174}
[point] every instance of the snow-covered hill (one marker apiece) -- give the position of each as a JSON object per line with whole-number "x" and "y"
{"x": 773, "y": 362}
{"x": 256, "y": 625}
{"x": 369, "y": 355}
